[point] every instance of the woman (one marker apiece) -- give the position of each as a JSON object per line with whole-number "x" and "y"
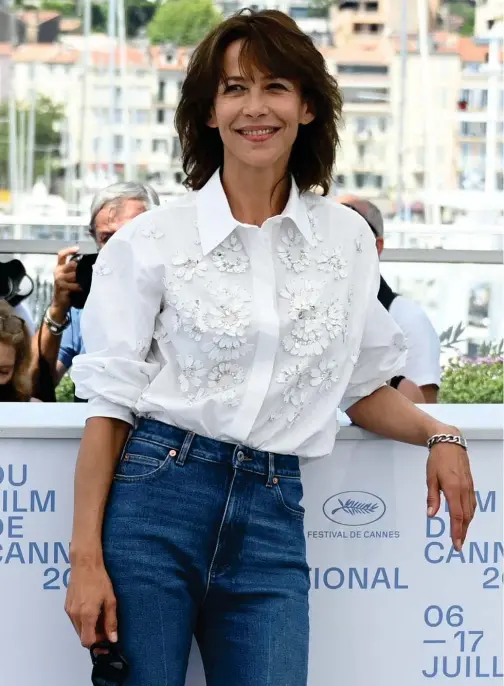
{"x": 15, "y": 356}
{"x": 226, "y": 328}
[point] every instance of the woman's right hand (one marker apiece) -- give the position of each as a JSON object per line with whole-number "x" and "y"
{"x": 91, "y": 604}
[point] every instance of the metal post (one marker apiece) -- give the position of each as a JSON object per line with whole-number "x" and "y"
{"x": 22, "y": 150}
{"x": 492, "y": 114}
{"x": 84, "y": 95}
{"x": 402, "y": 107}
{"x": 112, "y": 17}
{"x": 13, "y": 163}
{"x": 121, "y": 13}
{"x": 30, "y": 164}
{"x": 430, "y": 124}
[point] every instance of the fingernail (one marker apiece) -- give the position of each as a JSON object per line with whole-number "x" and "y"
{"x": 114, "y": 637}
{"x": 458, "y": 544}
{"x": 430, "y": 512}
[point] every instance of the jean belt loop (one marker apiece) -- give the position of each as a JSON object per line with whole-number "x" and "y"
{"x": 184, "y": 450}
{"x": 271, "y": 470}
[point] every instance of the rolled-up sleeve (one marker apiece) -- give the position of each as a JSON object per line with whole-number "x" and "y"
{"x": 117, "y": 327}
{"x": 382, "y": 351}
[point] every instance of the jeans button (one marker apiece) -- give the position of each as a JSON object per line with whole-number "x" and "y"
{"x": 240, "y": 456}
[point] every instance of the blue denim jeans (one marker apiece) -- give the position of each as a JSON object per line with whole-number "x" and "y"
{"x": 206, "y": 538}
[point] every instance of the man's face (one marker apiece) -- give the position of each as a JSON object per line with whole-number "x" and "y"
{"x": 114, "y": 215}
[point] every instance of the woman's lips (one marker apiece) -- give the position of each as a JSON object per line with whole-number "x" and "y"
{"x": 256, "y": 135}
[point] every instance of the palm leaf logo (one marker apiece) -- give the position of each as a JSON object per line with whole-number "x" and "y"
{"x": 355, "y": 507}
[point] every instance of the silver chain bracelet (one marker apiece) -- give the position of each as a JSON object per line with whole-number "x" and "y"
{"x": 447, "y": 438}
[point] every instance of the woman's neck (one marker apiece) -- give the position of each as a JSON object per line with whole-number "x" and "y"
{"x": 254, "y": 194}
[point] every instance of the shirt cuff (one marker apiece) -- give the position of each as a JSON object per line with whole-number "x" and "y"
{"x": 349, "y": 401}
{"x": 99, "y": 407}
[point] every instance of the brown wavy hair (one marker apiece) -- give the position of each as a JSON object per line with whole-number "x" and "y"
{"x": 21, "y": 381}
{"x": 273, "y": 43}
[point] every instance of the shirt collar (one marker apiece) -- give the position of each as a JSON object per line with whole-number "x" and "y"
{"x": 215, "y": 221}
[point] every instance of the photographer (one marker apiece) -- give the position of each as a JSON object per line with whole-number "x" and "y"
{"x": 59, "y": 339}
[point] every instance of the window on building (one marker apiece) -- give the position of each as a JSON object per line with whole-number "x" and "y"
{"x": 160, "y": 146}
{"x": 479, "y": 305}
{"x": 371, "y": 6}
{"x": 161, "y": 91}
{"x": 118, "y": 143}
{"x": 117, "y": 93}
{"x": 361, "y": 151}
{"x": 382, "y": 124}
{"x": 178, "y": 177}
{"x": 375, "y": 28}
{"x": 142, "y": 116}
{"x": 160, "y": 116}
{"x": 365, "y": 95}
{"x": 484, "y": 99}
{"x": 118, "y": 115}
{"x": 341, "y": 180}
{"x": 500, "y": 181}
{"x": 353, "y": 6}
{"x": 473, "y": 128}
{"x": 176, "y": 149}
{"x": 370, "y": 69}
{"x": 360, "y": 180}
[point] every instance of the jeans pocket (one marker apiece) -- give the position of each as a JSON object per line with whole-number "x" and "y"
{"x": 141, "y": 459}
{"x": 289, "y": 493}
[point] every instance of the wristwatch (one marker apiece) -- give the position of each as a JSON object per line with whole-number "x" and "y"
{"x": 55, "y": 328}
{"x": 447, "y": 438}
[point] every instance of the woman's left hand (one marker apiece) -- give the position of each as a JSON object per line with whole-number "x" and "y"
{"x": 448, "y": 470}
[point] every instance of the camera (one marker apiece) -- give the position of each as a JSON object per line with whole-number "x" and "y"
{"x": 15, "y": 284}
{"x": 83, "y": 275}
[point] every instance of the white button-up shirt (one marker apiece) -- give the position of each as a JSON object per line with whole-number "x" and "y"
{"x": 252, "y": 335}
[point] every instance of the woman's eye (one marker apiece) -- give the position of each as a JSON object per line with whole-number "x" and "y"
{"x": 233, "y": 88}
{"x": 277, "y": 86}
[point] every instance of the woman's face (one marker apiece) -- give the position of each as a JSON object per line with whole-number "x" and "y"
{"x": 257, "y": 117}
{"x": 7, "y": 362}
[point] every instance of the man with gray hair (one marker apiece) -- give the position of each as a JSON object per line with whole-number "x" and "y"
{"x": 424, "y": 349}
{"x": 59, "y": 339}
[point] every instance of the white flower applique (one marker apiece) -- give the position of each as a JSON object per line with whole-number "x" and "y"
{"x": 189, "y": 317}
{"x": 101, "y": 268}
{"x": 324, "y": 375}
{"x": 230, "y": 398}
{"x": 292, "y": 251}
{"x": 295, "y": 378}
{"x": 333, "y": 262}
{"x": 191, "y": 372}
{"x": 194, "y": 398}
{"x": 151, "y": 231}
{"x": 188, "y": 267}
{"x": 226, "y": 375}
{"x": 230, "y": 256}
{"x": 227, "y": 318}
{"x": 170, "y": 296}
{"x": 315, "y": 322}
{"x": 309, "y": 334}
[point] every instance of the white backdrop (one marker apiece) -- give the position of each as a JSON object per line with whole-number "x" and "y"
{"x": 392, "y": 604}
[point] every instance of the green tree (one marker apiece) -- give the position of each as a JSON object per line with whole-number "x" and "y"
{"x": 47, "y": 137}
{"x": 138, "y": 14}
{"x": 183, "y": 22}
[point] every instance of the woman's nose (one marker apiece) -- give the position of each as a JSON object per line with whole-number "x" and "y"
{"x": 255, "y": 103}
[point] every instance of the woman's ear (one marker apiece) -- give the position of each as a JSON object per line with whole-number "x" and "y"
{"x": 307, "y": 114}
{"x": 212, "y": 122}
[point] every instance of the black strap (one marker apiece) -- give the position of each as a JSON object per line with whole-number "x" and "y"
{"x": 386, "y": 295}
{"x": 44, "y": 388}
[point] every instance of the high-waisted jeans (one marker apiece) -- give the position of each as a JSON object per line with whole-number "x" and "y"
{"x": 206, "y": 538}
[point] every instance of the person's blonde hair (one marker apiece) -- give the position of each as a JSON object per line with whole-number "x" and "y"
{"x": 21, "y": 342}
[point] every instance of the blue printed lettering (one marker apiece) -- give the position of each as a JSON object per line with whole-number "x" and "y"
{"x": 21, "y": 470}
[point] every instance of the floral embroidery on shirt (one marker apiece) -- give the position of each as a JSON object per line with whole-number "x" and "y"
{"x": 333, "y": 262}
{"x": 189, "y": 318}
{"x": 188, "y": 267}
{"x": 191, "y": 372}
{"x": 335, "y": 321}
{"x": 295, "y": 377}
{"x": 309, "y": 335}
{"x": 101, "y": 268}
{"x": 226, "y": 375}
{"x": 227, "y": 257}
{"x": 194, "y": 398}
{"x": 227, "y": 318}
{"x": 230, "y": 399}
{"x": 324, "y": 376}
{"x": 292, "y": 251}
{"x": 358, "y": 245}
{"x": 151, "y": 232}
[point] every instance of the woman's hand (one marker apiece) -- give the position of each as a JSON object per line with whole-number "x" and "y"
{"x": 448, "y": 470}
{"x": 91, "y": 604}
